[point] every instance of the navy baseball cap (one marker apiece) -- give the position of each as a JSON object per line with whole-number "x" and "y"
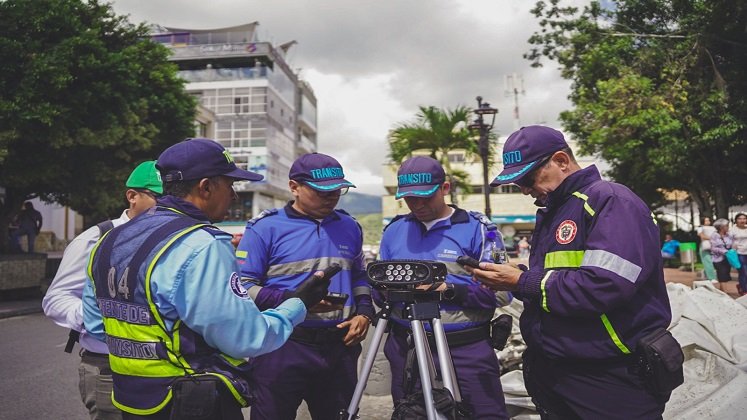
{"x": 199, "y": 158}
{"x": 524, "y": 149}
{"x": 419, "y": 176}
{"x": 320, "y": 172}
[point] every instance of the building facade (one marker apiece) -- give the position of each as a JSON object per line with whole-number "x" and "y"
{"x": 264, "y": 115}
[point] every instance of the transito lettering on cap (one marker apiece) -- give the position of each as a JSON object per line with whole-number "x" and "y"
{"x": 512, "y": 157}
{"x": 416, "y": 178}
{"x": 325, "y": 173}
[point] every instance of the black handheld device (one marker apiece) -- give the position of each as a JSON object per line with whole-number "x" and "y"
{"x": 464, "y": 260}
{"x": 331, "y": 271}
{"x": 336, "y": 298}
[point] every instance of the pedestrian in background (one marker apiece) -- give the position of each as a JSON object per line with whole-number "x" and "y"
{"x": 29, "y": 222}
{"x": 721, "y": 241}
{"x": 739, "y": 233}
{"x": 63, "y": 300}
{"x": 594, "y": 294}
{"x": 704, "y": 233}
{"x": 523, "y": 248}
{"x": 280, "y": 248}
{"x": 178, "y": 322}
{"x": 436, "y": 231}
{"x": 669, "y": 249}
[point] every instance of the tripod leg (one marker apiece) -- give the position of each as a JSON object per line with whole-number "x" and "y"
{"x": 425, "y": 368}
{"x": 448, "y": 374}
{"x": 366, "y": 371}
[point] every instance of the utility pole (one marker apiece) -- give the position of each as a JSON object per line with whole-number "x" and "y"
{"x": 513, "y": 84}
{"x": 482, "y": 127}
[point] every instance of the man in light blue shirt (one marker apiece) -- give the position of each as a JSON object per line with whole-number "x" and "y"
{"x": 166, "y": 291}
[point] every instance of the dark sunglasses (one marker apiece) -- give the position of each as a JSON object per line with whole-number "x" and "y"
{"x": 527, "y": 181}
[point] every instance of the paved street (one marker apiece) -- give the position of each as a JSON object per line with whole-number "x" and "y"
{"x": 40, "y": 380}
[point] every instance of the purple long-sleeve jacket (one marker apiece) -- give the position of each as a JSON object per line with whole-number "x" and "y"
{"x": 719, "y": 246}
{"x": 595, "y": 284}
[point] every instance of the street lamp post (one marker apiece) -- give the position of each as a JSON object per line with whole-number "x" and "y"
{"x": 483, "y": 129}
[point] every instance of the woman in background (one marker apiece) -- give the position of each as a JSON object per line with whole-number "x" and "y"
{"x": 739, "y": 233}
{"x": 704, "y": 232}
{"x": 721, "y": 241}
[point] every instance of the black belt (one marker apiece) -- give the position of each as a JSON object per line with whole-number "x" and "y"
{"x": 454, "y": 338}
{"x": 316, "y": 336}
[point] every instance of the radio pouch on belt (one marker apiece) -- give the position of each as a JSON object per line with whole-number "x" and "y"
{"x": 660, "y": 361}
{"x": 500, "y": 331}
{"x": 196, "y": 398}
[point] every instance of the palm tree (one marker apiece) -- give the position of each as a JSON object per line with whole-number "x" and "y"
{"x": 439, "y": 132}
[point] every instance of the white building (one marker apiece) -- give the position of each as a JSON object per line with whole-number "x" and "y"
{"x": 264, "y": 114}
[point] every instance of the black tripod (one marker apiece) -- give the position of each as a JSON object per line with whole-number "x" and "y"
{"x": 419, "y": 306}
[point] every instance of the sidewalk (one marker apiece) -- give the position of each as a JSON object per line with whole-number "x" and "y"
{"x": 13, "y": 303}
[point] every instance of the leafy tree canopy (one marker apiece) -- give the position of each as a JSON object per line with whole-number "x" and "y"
{"x": 439, "y": 132}
{"x": 84, "y": 97}
{"x": 659, "y": 91}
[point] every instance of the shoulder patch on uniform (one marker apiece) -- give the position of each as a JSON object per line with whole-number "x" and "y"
{"x": 262, "y": 215}
{"x": 236, "y": 287}
{"x": 566, "y": 232}
{"x": 397, "y": 217}
{"x": 483, "y": 219}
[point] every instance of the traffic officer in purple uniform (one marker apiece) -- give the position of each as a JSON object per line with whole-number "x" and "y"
{"x": 436, "y": 231}
{"x": 281, "y": 248}
{"x": 594, "y": 287}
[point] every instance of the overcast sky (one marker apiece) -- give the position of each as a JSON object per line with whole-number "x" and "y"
{"x": 371, "y": 63}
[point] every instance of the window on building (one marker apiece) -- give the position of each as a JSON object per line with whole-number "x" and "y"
{"x": 455, "y": 157}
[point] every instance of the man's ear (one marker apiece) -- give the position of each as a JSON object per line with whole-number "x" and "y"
{"x": 131, "y": 195}
{"x": 203, "y": 187}
{"x": 294, "y": 186}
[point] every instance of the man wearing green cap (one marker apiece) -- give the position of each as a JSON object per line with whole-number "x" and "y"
{"x": 62, "y": 302}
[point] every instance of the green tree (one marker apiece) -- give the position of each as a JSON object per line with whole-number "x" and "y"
{"x": 659, "y": 91}
{"x": 84, "y": 96}
{"x": 439, "y": 132}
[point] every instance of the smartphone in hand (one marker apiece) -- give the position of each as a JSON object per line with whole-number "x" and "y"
{"x": 468, "y": 261}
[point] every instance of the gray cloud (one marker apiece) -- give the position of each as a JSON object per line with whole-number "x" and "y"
{"x": 436, "y": 52}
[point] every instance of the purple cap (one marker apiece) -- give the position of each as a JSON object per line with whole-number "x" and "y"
{"x": 199, "y": 158}
{"x": 419, "y": 176}
{"x": 524, "y": 148}
{"x": 320, "y": 172}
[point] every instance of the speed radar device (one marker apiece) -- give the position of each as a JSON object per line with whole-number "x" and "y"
{"x": 405, "y": 274}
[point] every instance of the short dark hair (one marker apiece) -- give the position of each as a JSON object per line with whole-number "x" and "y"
{"x": 738, "y": 215}
{"x": 28, "y": 205}
{"x": 181, "y": 189}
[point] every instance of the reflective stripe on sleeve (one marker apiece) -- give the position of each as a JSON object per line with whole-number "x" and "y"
{"x": 564, "y": 259}
{"x": 599, "y": 258}
{"x": 241, "y": 254}
{"x": 544, "y": 290}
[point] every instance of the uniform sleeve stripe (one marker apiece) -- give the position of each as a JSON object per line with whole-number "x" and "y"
{"x": 544, "y": 290}
{"x": 241, "y": 254}
{"x": 608, "y": 261}
{"x": 307, "y": 266}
